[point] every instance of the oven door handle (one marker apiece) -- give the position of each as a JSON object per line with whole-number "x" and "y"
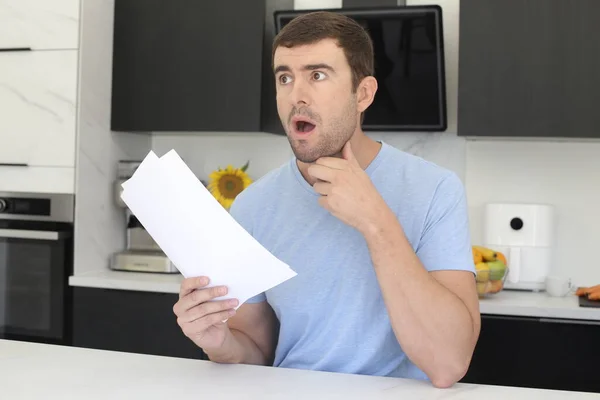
{"x": 34, "y": 235}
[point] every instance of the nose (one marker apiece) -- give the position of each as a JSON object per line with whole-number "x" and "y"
{"x": 299, "y": 94}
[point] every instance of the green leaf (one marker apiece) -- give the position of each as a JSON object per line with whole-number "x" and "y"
{"x": 245, "y": 167}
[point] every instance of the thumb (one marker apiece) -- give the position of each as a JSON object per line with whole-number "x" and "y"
{"x": 348, "y": 154}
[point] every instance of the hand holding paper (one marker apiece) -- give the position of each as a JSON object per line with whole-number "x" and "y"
{"x": 196, "y": 233}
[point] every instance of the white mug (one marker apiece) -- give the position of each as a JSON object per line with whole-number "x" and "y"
{"x": 558, "y": 286}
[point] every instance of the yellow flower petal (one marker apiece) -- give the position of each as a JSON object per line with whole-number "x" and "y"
{"x": 226, "y": 184}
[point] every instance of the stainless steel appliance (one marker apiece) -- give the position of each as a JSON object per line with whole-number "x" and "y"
{"x": 36, "y": 260}
{"x": 141, "y": 253}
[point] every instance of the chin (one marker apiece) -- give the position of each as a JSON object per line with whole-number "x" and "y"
{"x": 306, "y": 157}
{"x": 310, "y": 147}
{"x": 309, "y": 155}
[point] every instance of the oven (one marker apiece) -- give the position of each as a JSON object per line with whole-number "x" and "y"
{"x": 36, "y": 260}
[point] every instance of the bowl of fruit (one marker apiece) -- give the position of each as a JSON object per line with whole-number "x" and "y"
{"x": 491, "y": 270}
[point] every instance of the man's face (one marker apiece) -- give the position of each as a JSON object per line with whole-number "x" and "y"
{"x": 315, "y": 101}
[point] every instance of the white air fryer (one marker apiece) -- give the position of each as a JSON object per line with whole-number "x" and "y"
{"x": 525, "y": 234}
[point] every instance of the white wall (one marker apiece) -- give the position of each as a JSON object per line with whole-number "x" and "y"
{"x": 99, "y": 224}
{"x": 566, "y": 174}
{"x": 204, "y": 153}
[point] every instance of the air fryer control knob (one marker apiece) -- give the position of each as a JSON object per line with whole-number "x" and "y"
{"x": 516, "y": 223}
{"x": 2, "y": 205}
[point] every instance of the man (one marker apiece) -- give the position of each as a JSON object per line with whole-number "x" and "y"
{"x": 379, "y": 238}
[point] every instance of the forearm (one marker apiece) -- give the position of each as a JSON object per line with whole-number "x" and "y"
{"x": 238, "y": 348}
{"x": 433, "y": 326}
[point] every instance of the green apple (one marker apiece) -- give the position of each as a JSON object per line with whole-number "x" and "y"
{"x": 497, "y": 270}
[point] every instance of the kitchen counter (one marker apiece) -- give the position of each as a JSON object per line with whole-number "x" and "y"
{"x": 508, "y": 303}
{"x": 36, "y": 371}
{"x": 541, "y": 305}
{"x": 126, "y": 280}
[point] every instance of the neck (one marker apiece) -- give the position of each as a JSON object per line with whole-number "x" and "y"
{"x": 365, "y": 150}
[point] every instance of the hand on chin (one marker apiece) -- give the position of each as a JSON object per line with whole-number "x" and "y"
{"x": 346, "y": 190}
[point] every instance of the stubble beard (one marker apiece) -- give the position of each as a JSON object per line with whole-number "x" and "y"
{"x": 330, "y": 138}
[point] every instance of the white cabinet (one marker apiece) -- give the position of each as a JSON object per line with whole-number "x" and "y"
{"x": 39, "y": 24}
{"x": 38, "y": 92}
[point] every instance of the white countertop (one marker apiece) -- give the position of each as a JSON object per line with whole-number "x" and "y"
{"x": 541, "y": 305}
{"x": 39, "y": 371}
{"x": 125, "y": 280}
{"x": 508, "y": 303}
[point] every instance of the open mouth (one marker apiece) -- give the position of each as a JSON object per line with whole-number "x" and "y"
{"x": 304, "y": 126}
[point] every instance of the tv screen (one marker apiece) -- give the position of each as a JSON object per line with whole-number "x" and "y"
{"x": 409, "y": 65}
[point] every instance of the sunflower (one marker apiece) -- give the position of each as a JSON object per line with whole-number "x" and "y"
{"x": 226, "y": 184}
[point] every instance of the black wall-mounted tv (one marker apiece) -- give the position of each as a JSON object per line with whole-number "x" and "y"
{"x": 409, "y": 65}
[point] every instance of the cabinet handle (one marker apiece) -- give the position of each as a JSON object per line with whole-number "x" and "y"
{"x": 33, "y": 235}
{"x": 570, "y": 321}
{"x": 14, "y": 165}
{"x": 15, "y": 49}
{"x": 509, "y": 317}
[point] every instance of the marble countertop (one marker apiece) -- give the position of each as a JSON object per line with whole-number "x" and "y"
{"x": 125, "y": 280}
{"x": 507, "y": 303}
{"x": 541, "y": 305}
{"x": 41, "y": 371}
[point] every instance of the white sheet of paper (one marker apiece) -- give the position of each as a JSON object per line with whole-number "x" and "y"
{"x": 150, "y": 159}
{"x": 197, "y": 234}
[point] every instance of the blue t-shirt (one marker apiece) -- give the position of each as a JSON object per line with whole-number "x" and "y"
{"x": 332, "y": 315}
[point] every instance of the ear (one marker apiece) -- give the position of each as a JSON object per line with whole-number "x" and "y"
{"x": 366, "y": 93}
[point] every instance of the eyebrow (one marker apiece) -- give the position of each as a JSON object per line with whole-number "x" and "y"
{"x": 309, "y": 67}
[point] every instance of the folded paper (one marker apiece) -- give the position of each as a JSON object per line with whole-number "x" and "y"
{"x": 196, "y": 233}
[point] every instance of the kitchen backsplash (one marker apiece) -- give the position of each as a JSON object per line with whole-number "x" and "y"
{"x": 205, "y": 152}
{"x": 565, "y": 174}
{"x": 99, "y": 224}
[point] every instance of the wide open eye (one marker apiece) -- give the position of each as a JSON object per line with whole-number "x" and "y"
{"x": 319, "y": 76}
{"x": 285, "y": 79}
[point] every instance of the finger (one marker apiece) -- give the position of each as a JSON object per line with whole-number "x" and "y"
{"x": 348, "y": 154}
{"x": 193, "y": 329}
{"x": 197, "y": 297}
{"x": 324, "y": 202}
{"x": 212, "y": 319}
{"x": 322, "y": 172}
{"x": 190, "y": 284}
{"x": 332, "y": 162}
{"x": 322, "y": 187}
{"x": 207, "y": 308}
{"x": 219, "y": 317}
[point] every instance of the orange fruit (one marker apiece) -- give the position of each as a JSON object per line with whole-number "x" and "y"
{"x": 501, "y": 257}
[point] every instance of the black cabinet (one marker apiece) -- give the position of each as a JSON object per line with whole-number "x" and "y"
{"x": 187, "y": 65}
{"x": 529, "y": 68}
{"x": 539, "y": 353}
{"x": 129, "y": 321}
{"x": 270, "y": 121}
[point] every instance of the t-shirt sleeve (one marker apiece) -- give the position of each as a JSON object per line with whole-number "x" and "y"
{"x": 243, "y": 216}
{"x": 446, "y": 240}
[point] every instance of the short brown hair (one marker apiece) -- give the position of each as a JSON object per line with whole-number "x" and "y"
{"x": 314, "y": 26}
